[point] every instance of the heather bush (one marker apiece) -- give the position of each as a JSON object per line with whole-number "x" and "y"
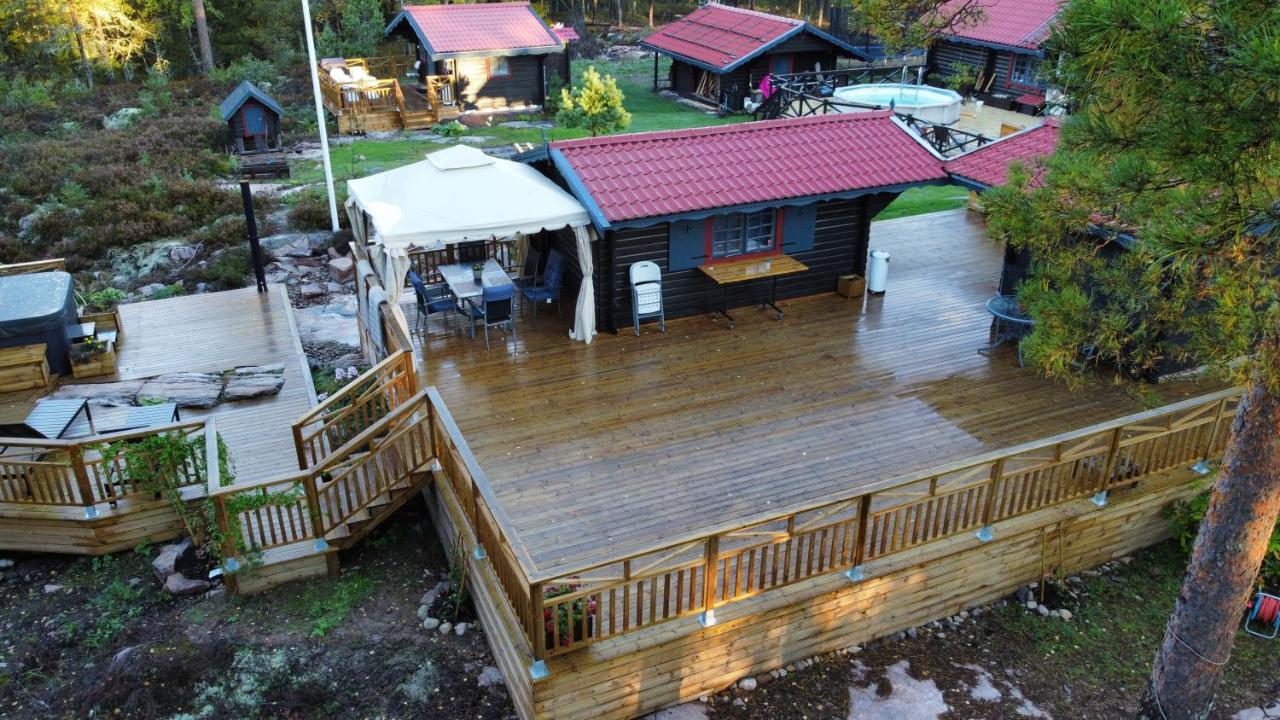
{"x": 230, "y": 269}
{"x": 310, "y": 211}
{"x": 256, "y": 71}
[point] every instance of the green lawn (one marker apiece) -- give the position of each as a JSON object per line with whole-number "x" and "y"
{"x": 649, "y": 112}
{"x": 932, "y": 198}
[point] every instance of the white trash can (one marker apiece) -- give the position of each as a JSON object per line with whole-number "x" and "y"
{"x": 878, "y": 272}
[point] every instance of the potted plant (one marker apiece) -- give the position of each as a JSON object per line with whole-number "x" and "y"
{"x": 477, "y": 271}
{"x": 102, "y": 307}
{"x": 92, "y": 357}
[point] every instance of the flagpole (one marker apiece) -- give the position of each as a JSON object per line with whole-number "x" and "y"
{"x": 324, "y": 134}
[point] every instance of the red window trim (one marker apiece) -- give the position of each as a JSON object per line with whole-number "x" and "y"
{"x": 1011, "y": 84}
{"x": 708, "y": 230}
{"x": 489, "y": 68}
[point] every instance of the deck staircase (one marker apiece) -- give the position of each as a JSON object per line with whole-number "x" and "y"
{"x": 363, "y": 453}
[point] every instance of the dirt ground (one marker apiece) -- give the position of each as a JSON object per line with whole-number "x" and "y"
{"x": 83, "y": 638}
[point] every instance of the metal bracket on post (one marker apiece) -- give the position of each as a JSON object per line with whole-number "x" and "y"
{"x": 538, "y": 670}
{"x": 986, "y": 534}
{"x": 478, "y": 553}
{"x": 1100, "y": 499}
{"x": 1201, "y": 468}
{"x": 855, "y": 574}
{"x": 707, "y": 618}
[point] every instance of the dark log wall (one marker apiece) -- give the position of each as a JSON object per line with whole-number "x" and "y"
{"x": 839, "y": 247}
{"x": 523, "y": 87}
{"x": 945, "y": 55}
{"x": 804, "y": 50}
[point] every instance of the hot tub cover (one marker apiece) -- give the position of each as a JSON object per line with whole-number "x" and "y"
{"x": 37, "y": 308}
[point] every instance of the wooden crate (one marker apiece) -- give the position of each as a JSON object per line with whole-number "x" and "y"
{"x": 851, "y": 286}
{"x": 109, "y": 320}
{"x": 23, "y": 367}
{"x": 102, "y": 364}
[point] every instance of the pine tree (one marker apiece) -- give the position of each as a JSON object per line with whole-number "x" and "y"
{"x": 595, "y": 105}
{"x": 362, "y": 26}
{"x": 1175, "y": 145}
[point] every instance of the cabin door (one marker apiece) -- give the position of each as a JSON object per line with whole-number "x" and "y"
{"x": 255, "y": 127}
{"x": 780, "y": 65}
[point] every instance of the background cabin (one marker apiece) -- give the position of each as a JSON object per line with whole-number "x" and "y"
{"x": 719, "y": 54}
{"x": 1003, "y": 49}
{"x": 253, "y": 119}
{"x": 495, "y": 56}
{"x": 651, "y": 198}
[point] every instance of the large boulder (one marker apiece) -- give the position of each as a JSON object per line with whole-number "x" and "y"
{"x": 187, "y": 389}
{"x": 144, "y": 259}
{"x": 165, "y": 562}
{"x": 342, "y": 269}
{"x": 179, "y": 584}
{"x": 121, "y": 118}
{"x": 297, "y": 244}
{"x": 109, "y": 394}
{"x": 251, "y": 382}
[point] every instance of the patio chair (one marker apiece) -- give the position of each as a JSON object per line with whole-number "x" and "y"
{"x": 493, "y": 310}
{"x": 646, "y": 294}
{"x": 529, "y": 273}
{"x": 472, "y": 252}
{"x": 431, "y": 300}
{"x": 549, "y": 288}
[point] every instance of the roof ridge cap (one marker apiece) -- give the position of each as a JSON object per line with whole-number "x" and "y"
{"x": 757, "y": 13}
{"x": 727, "y": 129}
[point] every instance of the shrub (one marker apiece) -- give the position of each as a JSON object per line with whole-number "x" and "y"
{"x": 453, "y": 128}
{"x": 21, "y": 95}
{"x": 1186, "y": 515}
{"x": 595, "y": 105}
{"x": 247, "y": 67}
{"x": 310, "y": 211}
{"x": 229, "y": 270}
{"x": 104, "y": 299}
{"x": 168, "y": 291}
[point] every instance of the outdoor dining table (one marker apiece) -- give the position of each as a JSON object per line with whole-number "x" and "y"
{"x": 736, "y": 272}
{"x": 461, "y": 279}
{"x": 1009, "y": 322}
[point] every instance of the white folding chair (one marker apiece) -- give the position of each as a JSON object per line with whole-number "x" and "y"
{"x": 646, "y": 294}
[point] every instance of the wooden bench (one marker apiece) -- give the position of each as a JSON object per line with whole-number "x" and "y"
{"x": 23, "y": 367}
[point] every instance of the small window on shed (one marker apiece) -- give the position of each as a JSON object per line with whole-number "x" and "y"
{"x": 499, "y": 67}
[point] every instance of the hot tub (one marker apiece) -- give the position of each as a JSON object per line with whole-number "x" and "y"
{"x": 937, "y": 105}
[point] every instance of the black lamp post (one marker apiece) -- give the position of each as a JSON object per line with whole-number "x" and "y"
{"x": 251, "y": 225}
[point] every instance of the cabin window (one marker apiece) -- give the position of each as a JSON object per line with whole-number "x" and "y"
{"x": 744, "y": 233}
{"x": 499, "y": 67}
{"x": 1025, "y": 71}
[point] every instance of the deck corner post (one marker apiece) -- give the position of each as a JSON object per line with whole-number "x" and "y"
{"x": 537, "y": 619}
{"x": 989, "y": 502}
{"x": 313, "y": 506}
{"x": 710, "y": 565}
{"x": 85, "y": 489}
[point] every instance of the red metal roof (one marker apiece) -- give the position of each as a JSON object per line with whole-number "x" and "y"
{"x": 479, "y": 27}
{"x": 1011, "y": 23}
{"x": 989, "y": 164}
{"x": 681, "y": 171}
{"x": 719, "y": 36}
{"x": 565, "y": 33}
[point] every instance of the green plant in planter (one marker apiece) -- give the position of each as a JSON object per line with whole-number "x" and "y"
{"x": 87, "y": 350}
{"x": 962, "y": 79}
{"x": 104, "y": 300}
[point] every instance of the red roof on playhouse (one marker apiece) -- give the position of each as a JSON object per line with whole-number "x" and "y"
{"x": 1010, "y": 23}
{"x": 988, "y": 166}
{"x": 478, "y": 27}
{"x": 646, "y": 175}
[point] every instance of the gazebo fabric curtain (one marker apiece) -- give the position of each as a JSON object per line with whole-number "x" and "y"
{"x": 584, "y": 317}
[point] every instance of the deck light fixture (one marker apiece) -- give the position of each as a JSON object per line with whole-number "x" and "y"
{"x": 91, "y": 513}
{"x": 986, "y": 533}
{"x": 231, "y": 564}
{"x": 538, "y": 670}
{"x": 321, "y": 545}
{"x": 1100, "y": 499}
{"x": 478, "y": 553}
{"x": 707, "y": 618}
{"x": 855, "y": 574}
{"x": 1201, "y": 468}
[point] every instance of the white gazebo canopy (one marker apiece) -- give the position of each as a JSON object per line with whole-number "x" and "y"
{"x": 460, "y": 194}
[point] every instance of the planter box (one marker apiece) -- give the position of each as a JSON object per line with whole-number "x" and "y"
{"x": 103, "y": 363}
{"x": 106, "y": 321}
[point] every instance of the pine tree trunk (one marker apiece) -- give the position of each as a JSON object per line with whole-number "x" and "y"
{"x": 84, "y": 56}
{"x": 650, "y": 13}
{"x": 202, "y": 34}
{"x": 1224, "y": 565}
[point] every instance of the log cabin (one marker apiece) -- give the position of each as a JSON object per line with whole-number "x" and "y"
{"x": 770, "y": 192}
{"x": 1003, "y": 47}
{"x": 720, "y": 54}
{"x": 501, "y": 56}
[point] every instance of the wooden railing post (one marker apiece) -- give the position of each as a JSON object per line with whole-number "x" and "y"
{"x": 298, "y": 446}
{"x": 710, "y": 572}
{"x": 989, "y": 502}
{"x": 1108, "y": 466}
{"x": 313, "y": 506}
{"x": 229, "y": 562}
{"x": 855, "y": 573}
{"x": 83, "y": 486}
{"x": 1203, "y": 466}
{"x": 538, "y": 632}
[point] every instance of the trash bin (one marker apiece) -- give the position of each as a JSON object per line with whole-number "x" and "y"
{"x": 878, "y": 272}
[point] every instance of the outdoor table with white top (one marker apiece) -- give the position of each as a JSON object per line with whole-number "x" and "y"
{"x": 461, "y": 278}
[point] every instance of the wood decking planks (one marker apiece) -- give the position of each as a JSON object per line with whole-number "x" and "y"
{"x": 594, "y": 450}
{"x": 212, "y": 332}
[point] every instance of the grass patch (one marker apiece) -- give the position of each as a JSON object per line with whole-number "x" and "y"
{"x": 322, "y": 606}
{"x": 649, "y": 113}
{"x": 113, "y": 603}
{"x": 920, "y": 200}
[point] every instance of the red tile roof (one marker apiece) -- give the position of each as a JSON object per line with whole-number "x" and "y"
{"x": 680, "y": 171}
{"x": 479, "y": 27}
{"x": 1011, "y": 23}
{"x": 721, "y": 36}
{"x": 989, "y": 164}
{"x": 565, "y": 33}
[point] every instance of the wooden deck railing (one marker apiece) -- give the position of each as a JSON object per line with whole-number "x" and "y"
{"x": 699, "y": 573}
{"x": 354, "y": 407}
{"x": 427, "y": 262}
{"x": 33, "y": 266}
{"x": 90, "y": 472}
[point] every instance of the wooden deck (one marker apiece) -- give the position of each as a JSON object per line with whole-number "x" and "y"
{"x": 595, "y": 450}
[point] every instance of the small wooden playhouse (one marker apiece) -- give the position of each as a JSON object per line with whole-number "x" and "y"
{"x": 253, "y": 121}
